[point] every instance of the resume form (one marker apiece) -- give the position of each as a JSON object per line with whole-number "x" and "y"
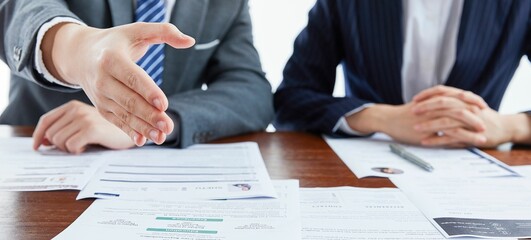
{"x": 207, "y": 171}
{"x": 192, "y": 220}
{"x": 343, "y": 213}
{"x": 473, "y": 207}
{"x": 371, "y": 157}
{"x": 24, "y": 169}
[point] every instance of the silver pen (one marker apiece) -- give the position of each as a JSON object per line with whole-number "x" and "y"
{"x": 403, "y": 153}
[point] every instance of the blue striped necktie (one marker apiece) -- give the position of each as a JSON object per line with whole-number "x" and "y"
{"x": 153, "y": 61}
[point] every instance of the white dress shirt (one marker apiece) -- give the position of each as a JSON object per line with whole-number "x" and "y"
{"x": 430, "y": 35}
{"x": 430, "y": 43}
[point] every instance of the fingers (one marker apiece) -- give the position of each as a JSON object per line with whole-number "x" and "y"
{"x": 472, "y": 121}
{"x": 438, "y": 103}
{"x": 46, "y": 142}
{"x": 156, "y": 33}
{"x": 44, "y": 124}
{"x": 138, "y": 99}
{"x": 78, "y": 142}
{"x": 465, "y": 96}
{"x": 473, "y": 99}
{"x": 448, "y": 119}
{"x": 127, "y": 106}
{"x": 132, "y": 77}
{"x": 60, "y": 138}
{"x": 438, "y": 124}
{"x": 73, "y": 138}
{"x": 434, "y": 91}
{"x": 138, "y": 138}
{"x": 457, "y": 135}
{"x": 143, "y": 119}
{"x": 57, "y": 127}
{"x": 134, "y": 124}
{"x": 117, "y": 117}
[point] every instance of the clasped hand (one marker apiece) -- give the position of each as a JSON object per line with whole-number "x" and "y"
{"x": 451, "y": 117}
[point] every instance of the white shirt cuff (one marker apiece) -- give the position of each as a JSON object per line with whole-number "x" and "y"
{"x": 39, "y": 62}
{"x": 342, "y": 124}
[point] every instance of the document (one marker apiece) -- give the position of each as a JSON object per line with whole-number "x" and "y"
{"x": 24, "y": 169}
{"x": 192, "y": 220}
{"x": 361, "y": 213}
{"x": 524, "y": 170}
{"x": 207, "y": 171}
{"x": 372, "y": 158}
{"x": 473, "y": 207}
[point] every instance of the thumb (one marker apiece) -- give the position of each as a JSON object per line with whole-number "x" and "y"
{"x": 157, "y": 33}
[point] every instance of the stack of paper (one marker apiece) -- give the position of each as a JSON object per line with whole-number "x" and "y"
{"x": 204, "y": 192}
{"x": 179, "y": 219}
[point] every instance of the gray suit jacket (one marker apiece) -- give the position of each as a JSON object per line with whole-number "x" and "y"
{"x": 238, "y": 98}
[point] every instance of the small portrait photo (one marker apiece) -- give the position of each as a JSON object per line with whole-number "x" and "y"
{"x": 388, "y": 170}
{"x": 244, "y": 187}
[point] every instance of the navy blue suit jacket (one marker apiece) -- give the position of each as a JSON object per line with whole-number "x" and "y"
{"x": 366, "y": 37}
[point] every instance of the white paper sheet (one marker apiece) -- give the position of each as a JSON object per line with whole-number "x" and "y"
{"x": 524, "y": 170}
{"x": 23, "y": 169}
{"x": 361, "y": 213}
{"x": 208, "y": 171}
{"x": 476, "y": 207}
{"x": 192, "y": 220}
{"x": 372, "y": 157}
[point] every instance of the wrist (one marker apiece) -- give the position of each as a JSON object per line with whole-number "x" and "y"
{"x": 518, "y": 127}
{"x": 55, "y": 47}
{"x": 369, "y": 120}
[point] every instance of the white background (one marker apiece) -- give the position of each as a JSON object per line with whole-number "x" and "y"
{"x": 278, "y": 22}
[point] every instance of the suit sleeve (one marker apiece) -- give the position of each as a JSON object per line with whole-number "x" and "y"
{"x": 238, "y": 98}
{"x": 529, "y": 36}
{"x": 528, "y": 49}
{"x": 304, "y": 100}
{"x": 20, "y": 21}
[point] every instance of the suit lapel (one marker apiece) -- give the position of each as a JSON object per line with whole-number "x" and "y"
{"x": 482, "y": 23}
{"x": 189, "y": 17}
{"x": 121, "y": 11}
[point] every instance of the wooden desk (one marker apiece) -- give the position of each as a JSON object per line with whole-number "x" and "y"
{"x": 42, "y": 215}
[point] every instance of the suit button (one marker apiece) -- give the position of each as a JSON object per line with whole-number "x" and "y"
{"x": 17, "y": 52}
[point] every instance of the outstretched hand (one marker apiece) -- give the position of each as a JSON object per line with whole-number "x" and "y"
{"x": 102, "y": 62}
